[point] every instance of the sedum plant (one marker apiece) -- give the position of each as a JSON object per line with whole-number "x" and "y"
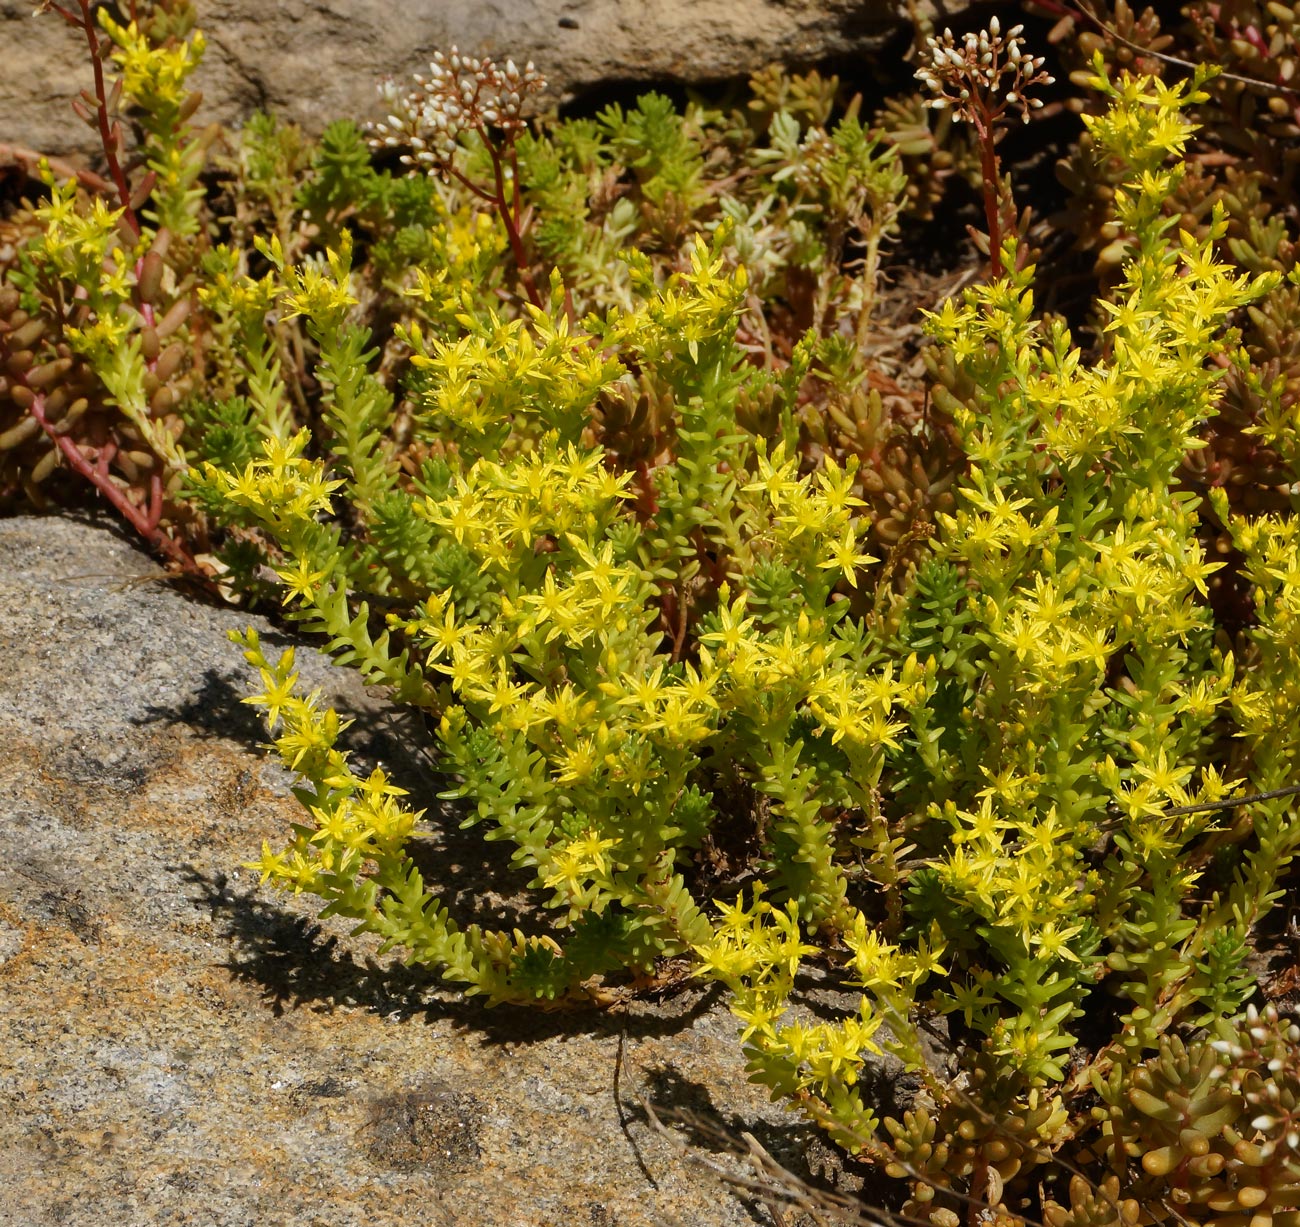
{"x": 92, "y": 320}
{"x": 581, "y": 667}
{"x": 571, "y": 438}
{"x": 1059, "y": 753}
{"x": 1023, "y": 765}
{"x": 980, "y": 80}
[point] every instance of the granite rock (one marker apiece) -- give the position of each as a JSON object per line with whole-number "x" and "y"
{"x": 311, "y": 61}
{"x": 179, "y": 1046}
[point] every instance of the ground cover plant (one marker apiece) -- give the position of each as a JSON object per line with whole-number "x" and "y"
{"x": 766, "y": 632}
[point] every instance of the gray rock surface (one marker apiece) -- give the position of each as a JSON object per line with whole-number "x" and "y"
{"x": 311, "y": 61}
{"x": 180, "y": 1047}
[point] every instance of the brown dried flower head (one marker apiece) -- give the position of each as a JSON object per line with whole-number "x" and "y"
{"x": 461, "y": 93}
{"x": 983, "y": 75}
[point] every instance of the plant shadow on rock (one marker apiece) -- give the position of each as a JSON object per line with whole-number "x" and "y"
{"x": 473, "y": 876}
{"x": 377, "y": 733}
{"x": 295, "y": 963}
{"x": 213, "y": 710}
{"x": 293, "y": 958}
{"x": 216, "y": 709}
{"x": 687, "y": 1107}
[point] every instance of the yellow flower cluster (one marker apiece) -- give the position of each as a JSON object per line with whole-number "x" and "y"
{"x": 505, "y": 372}
{"x": 357, "y": 820}
{"x": 756, "y": 951}
{"x": 467, "y": 248}
{"x": 153, "y": 77}
{"x": 318, "y": 288}
{"x": 689, "y": 309}
{"x": 84, "y": 246}
{"x": 282, "y": 487}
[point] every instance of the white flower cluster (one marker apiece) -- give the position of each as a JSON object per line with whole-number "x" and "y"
{"x": 1262, "y": 1028}
{"x": 983, "y": 74}
{"x": 461, "y": 92}
{"x": 1263, "y": 1061}
{"x": 815, "y": 154}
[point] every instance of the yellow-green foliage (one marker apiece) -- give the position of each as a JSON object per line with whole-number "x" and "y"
{"x": 1047, "y": 703}
{"x": 608, "y": 538}
{"x": 574, "y": 721}
{"x": 1029, "y": 733}
{"x": 1082, "y": 556}
{"x": 105, "y": 285}
{"x": 154, "y": 77}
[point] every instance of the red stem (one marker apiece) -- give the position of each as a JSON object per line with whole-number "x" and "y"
{"x": 514, "y": 183}
{"x": 26, "y": 159}
{"x": 498, "y": 202}
{"x": 510, "y": 219}
{"x": 104, "y": 459}
{"x": 144, "y": 522}
{"x": 989, "y": 168}
{"x": 106, "y": 130}
{"x": 473, "y": 187}
{"x": 155, "y": 500}
{"x": 683, "y": 616}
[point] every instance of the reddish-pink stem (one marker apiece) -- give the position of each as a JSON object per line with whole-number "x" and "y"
{"x": 514, "y": 182}
{"x": 1256, "y": 40}
{"x": 989, "y": 168}
{"x": 510, "y": 218}
{"x": 144, "y": 522}
{"x": 107, "y": 136}
{"x": 28, "y": 159}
